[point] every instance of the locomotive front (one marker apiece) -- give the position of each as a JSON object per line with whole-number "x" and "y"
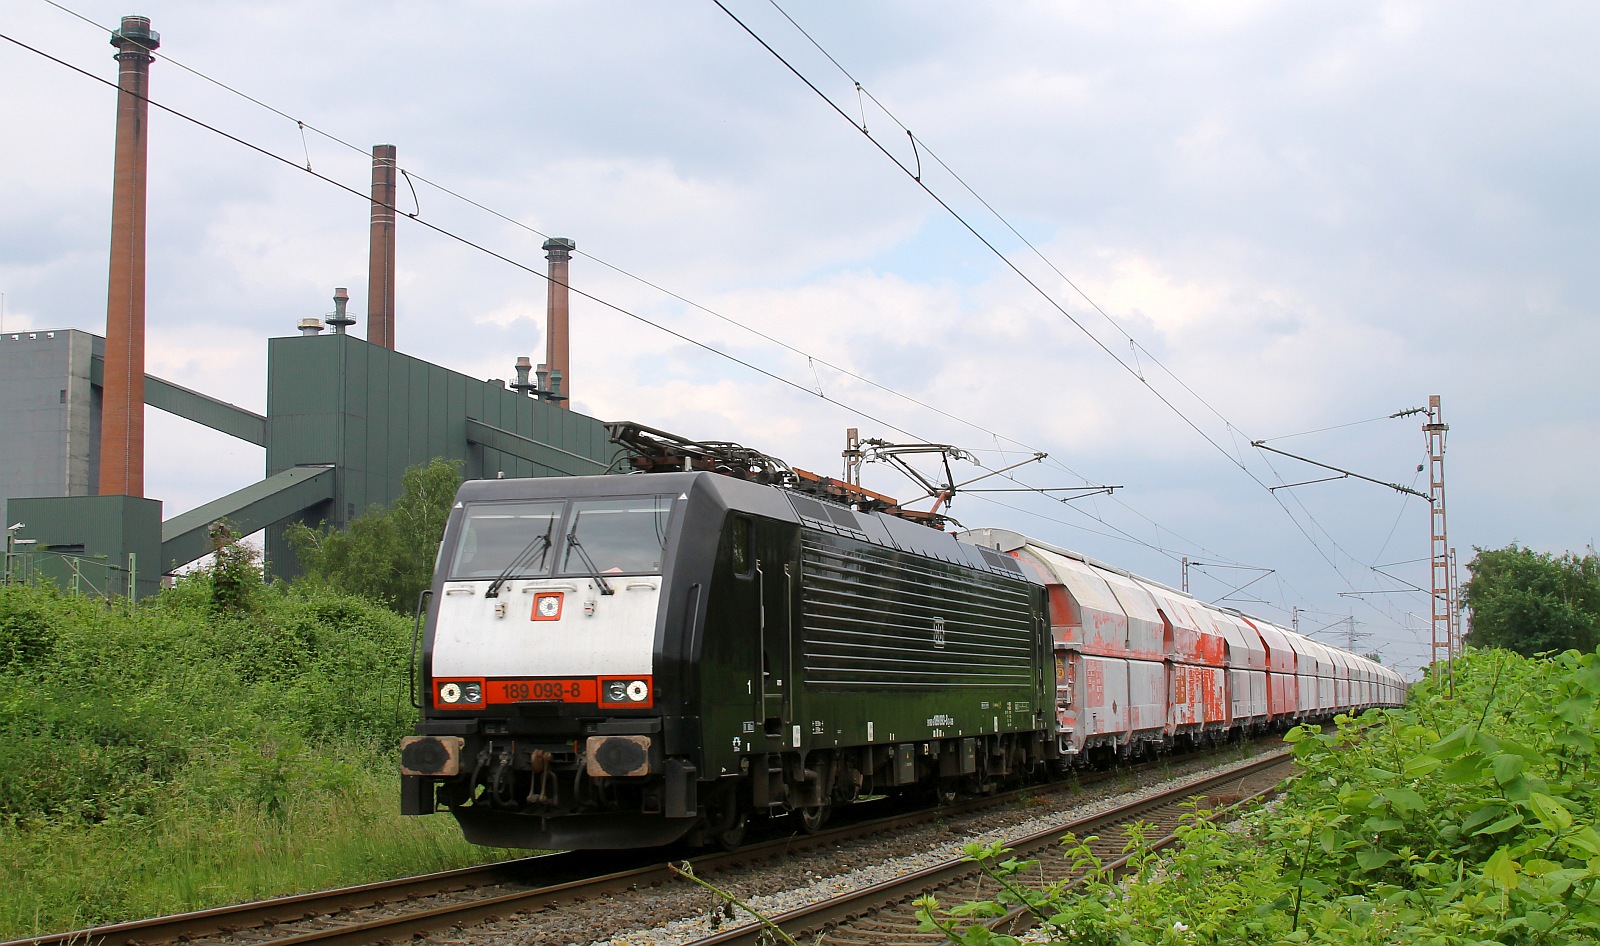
{"x": 542, "y": 710}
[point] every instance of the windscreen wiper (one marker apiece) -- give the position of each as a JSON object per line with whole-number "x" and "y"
{"x": 539, "y": 544}
{"x": 576, "y": 546}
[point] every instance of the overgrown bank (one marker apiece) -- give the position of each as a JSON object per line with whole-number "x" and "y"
{"x": 217, "y": 743}
{"x": 1464, "y": 821}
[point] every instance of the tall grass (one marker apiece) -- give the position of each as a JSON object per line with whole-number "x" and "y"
{"x": 175, "y": 755}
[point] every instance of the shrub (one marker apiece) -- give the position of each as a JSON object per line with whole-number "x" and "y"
{"x": 1468, "y": 820}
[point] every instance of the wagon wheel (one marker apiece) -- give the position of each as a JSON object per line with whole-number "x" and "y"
{"x": 812, "y": 819}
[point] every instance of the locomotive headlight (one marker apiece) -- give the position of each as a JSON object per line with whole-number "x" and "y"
{"x": 463, "y": 692}
{"x": 547, "y": 606}
{"x": 624, "y": 692}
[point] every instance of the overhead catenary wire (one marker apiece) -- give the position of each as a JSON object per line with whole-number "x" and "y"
{"x": 449, "y": 234}
{"x": 917, "y": 178}
{"x": 1134, "y": 345}
{"x": 813, "y": 360}
{"x": 923, "y": 151}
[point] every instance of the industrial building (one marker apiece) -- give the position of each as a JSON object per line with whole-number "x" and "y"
{"x": 345, "y": 416}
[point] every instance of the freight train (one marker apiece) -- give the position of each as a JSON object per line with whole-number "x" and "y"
{"x": 630, "y": 660}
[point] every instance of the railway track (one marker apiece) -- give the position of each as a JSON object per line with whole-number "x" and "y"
{"x": 551, "y": 885}
{"x": 884, "y": 914}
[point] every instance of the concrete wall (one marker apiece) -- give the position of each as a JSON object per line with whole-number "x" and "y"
{"x": 49, "y": 414}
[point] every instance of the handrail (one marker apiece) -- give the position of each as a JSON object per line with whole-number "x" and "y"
{"x": 416, "y": 635}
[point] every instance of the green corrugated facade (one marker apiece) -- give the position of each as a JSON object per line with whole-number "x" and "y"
{"x": 333, "y": 401}
{"x": 371, "y": 413}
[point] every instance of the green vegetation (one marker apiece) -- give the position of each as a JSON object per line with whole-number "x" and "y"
{"x": 1532, "y": 602}
{"x": 1465, "y": 821}
{"x": 222, "y": 741}
{"x": 386, "y": 554}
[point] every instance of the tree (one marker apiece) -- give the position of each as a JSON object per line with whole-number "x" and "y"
{"x": 235, "y": 570}
{"x": 1533, "y": 602}
{"x": 386, "y": 553}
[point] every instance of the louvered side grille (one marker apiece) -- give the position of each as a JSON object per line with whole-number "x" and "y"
{"x": 871, "y": 617}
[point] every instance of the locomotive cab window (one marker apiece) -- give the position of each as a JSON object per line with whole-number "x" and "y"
{"x": 741, "y": 546}
{"x": 617, "y": 536}
{"x": 513, "y": 539}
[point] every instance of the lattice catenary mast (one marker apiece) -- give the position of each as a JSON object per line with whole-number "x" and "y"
{"x": 1444, "y": 637}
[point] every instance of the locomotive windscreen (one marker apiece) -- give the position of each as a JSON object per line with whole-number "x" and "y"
{"x": 534, "y": 539}
{"x": 498, "y": 534}
{"x": 618, "y": 535}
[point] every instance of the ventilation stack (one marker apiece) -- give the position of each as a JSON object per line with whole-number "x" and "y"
{"x": 380, "y": 255}
{"x": 558, "y": 250}
{"x": 122, "y": 410}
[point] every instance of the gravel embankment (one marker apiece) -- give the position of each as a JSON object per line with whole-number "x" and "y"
{"x": 679, "y": 913}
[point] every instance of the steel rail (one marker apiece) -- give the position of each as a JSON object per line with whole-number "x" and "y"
{"x": 586, "y": 879}
{"x": 184, "y": 926}
{"x": 1020, "y": 919}
{"x": 802, "y": 923}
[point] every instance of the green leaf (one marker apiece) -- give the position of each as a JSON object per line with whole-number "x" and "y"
{"x": 1482, "y": 816}
{"x": 1466, "y": 770}
{"x": 1373, "y": 858}
{"x": 1576, "y": 739}
{"x": 1504, "y": 824}
{"x": 1585, "y": 839}
{"x": 1588, "y": 677}
{"x": 1355, "y": 802}
{"x": 1552, "y": 813}
{"x": 1454, "y": 744}
{"x": 1507, "y": 767}
{"x": 1380, "y": 825}
{"x": 1404, "y": 800}
{"x": 1422, "y": 765}
{"x": 1560, "y": 881}
{"x": 1575, "y": 711}
{"x": 1500, "y": 870}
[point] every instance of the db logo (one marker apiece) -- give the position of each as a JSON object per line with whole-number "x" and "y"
{"x": 938, "y": 632}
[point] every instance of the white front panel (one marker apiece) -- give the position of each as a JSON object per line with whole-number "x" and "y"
{"x": 595, "y": 634}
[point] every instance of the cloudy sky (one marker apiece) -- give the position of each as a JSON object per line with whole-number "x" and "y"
{"x": 1207, "y": 224}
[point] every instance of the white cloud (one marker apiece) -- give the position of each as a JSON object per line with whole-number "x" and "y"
{"x": 1312, "y": 214}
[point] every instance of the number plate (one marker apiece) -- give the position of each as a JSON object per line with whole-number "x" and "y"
{"x": 540, "y": 691}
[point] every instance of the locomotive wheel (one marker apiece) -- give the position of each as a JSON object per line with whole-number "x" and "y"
{"x": 725, "y": 820}
{"x": 731, "y": 838}
{"x": 812, "y": 819}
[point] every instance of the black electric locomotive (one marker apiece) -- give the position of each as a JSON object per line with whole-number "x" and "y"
{"x": 622, "y": 661}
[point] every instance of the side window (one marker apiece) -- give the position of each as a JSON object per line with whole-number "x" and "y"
{"x": 741, "y": 545}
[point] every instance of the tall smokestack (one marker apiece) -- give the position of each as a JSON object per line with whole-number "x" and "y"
{"x": 558, "y": 250}
{"x": 380, "y": 256}
{"x": 122, "y": 407}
